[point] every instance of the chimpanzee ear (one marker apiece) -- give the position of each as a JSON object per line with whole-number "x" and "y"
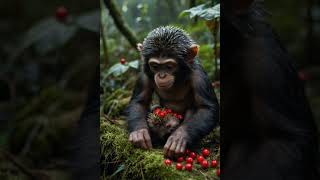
{"x": 240, "y": 6}
{"x": 139, "y": 47}
{"x": 193, "y": 52}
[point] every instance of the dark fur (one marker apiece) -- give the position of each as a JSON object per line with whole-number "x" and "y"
{"x": 168, "y": 42}
{"x": 201, "y": 106}
{"x": 268, "y": 130}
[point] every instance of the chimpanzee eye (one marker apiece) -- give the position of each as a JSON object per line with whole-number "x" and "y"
{"x": 154, "y": 66}
{"x": 170, "y": 67}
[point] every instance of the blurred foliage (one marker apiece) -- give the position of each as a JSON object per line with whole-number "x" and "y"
{"x": 298, "y": 25}
{"x": 47, "y": 60}
{"x": 290, "y": 20}
{"x": 204, "y": 11}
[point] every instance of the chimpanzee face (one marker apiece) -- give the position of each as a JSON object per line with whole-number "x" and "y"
{"x": 163, "y": 70}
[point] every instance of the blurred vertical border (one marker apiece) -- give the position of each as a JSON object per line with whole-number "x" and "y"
{"x": 49, "y": 51}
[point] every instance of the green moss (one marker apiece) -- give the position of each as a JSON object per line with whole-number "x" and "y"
{"x": 127, "y": 162}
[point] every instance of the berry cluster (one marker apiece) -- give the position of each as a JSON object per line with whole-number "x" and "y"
{"x": 165, "y": 111}
{"x": 191, "y": 157}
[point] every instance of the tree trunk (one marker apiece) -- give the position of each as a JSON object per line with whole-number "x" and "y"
{"x": 105, "y": 46}
{"x": 120, "y": 23}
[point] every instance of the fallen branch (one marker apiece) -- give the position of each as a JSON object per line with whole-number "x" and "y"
{"x": 18, "y": 164}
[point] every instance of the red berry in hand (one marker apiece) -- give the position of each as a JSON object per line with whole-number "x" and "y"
{"x": 200, "y": 159}
{"x": 205, "y": 152}
{"x": 122, "y": 60}
{"x": 168, "y": 162}
{"x": 214, "y": 163}
{"x": 179, "y": 166}
{"x": 157, "y": 111}
{"x": 162, "y": 114}
{"x": 218, "y": 172}
{"x": 180, "y": 159}
{"x": 189, "y": 160}
{"x": 188, "y": 167}
{"x": 61, "y": 13}
{"x": 193, "y": 155}
{"x": 204, "y": 164}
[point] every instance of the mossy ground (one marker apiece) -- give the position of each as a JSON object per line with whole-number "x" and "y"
{"x": 120, "y": 160}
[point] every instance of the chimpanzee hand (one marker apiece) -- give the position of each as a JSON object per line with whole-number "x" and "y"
{"x": 141, "y": 138}
{"x": 176, "y": 143}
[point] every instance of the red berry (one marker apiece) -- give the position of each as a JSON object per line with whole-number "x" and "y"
{"x": 205, "y": 164}
{"x": 168, "y": 162}
{"x": 189, "y": 160}
{"x": 218, "y": 172}
{"x": 200, "y": 159}
{"x": 169, "y": 110}
{"x": 193, "y": 155}
{"x": 61, "y": 13}
{"x": 214, "y": 163}
{"x": 179, "y": 116}
{"x": 180, "y": 159}
{"x": 188, "y": 167}
{"x": 179, "y": 166}
{"x": 205, "y": 152}
{"x": 162, "y": 114}
{"x": 157, "y": 111}
{"x": 122, "y": 60}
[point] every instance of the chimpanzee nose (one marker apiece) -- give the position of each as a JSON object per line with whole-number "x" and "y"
{"x": 162, "y": 75}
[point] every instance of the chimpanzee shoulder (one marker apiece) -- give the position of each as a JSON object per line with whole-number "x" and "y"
{"x": 202, "y": 87}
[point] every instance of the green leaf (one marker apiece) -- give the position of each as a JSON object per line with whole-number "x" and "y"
{"x": 118, "y": 69}
{"x": 134, "y": 64}
{"x": 207, "y": 13}
{"x": 46, "y": 36}
{"x": 195, "y": 10}
{"x": 120, "y": 168}
{"x": 89, "y": 21}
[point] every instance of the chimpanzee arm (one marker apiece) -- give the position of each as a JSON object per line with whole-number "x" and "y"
{"x": 199, "y": 120}
{"x": 137, "y": 113}
{"x": 205, "y": 115}
{"x": 139, "y": 104}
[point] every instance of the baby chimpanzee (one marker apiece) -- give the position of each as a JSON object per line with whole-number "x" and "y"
{"x": 181, "y": 84}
